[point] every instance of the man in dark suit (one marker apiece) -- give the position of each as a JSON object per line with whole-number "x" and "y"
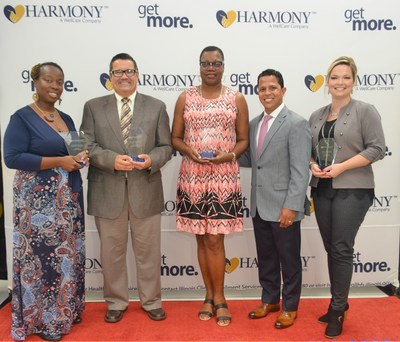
{"x": 125, "y": 192}
{"x": 279, "y": 155}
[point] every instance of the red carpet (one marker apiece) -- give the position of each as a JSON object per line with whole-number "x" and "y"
{"x": 369, "y": 319}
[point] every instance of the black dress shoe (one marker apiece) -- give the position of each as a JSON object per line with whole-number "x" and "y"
{"x": 324, "y": 318}
{"x": 46, "y": 337}
{"x": 335, "y": 323}
{"x": 114, "y": 316}
{"x": 156, "y": 314}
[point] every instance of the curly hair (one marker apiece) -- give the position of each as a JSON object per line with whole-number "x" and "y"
{"x": 36, "y": 69}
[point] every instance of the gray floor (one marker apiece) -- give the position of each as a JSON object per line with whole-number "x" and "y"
{"x": 182, "y": 295}
{"x": 355, "y": 292}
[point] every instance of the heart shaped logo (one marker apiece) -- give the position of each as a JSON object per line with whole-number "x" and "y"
{"x": 14, "y": 14}
{"x": 105, "y": 81}
{"x": 314, "y": 83}
{"x": 226, "y": 19}
{"x": 231, "y": 265}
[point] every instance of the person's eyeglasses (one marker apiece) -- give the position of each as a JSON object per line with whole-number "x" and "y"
{"x": 215, "y": 65}
{"x": 127, "y": 72}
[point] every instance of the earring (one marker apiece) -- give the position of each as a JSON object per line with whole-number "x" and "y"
{"x": 59, "y": 100}
{"x": 35, "y": 97}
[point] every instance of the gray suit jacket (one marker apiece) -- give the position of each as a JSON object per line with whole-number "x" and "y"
{"x": 280, "y": 174}
{"x": 106, "y": 186}
{"x": 358, "y": 130}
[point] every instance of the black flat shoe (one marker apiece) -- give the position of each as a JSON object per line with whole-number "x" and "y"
{"x": 46, "y": 337}
{"x": 77, "y": 320}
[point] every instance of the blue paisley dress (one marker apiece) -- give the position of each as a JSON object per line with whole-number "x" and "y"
{"x": 48, "y": 236}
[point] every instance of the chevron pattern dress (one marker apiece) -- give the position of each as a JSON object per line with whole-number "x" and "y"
{"x": 209, "y": 197}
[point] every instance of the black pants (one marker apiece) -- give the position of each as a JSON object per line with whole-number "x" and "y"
{"x": 339, "y": 214}
{"x": 279, "y": 248}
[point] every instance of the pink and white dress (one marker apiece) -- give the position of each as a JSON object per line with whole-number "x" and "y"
{"x": 209, "y": 197}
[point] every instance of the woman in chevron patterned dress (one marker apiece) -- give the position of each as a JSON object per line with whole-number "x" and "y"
{"x": 210, "y": 129}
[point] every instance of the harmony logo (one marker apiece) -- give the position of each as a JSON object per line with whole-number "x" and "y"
{"x": 278, "y": 19}
{"x": 231, "y": 264}
{"x": 106, "y": 82}
{"x": 376, "y": 82}
{"x": 93, "y": 265}
{"x": 251, "y": 262}
{"x": 163, "y": 82}
{"x": 14, "y": 14}
{"x": 382, "y": 203}
{"x": 154, "y": 19}
{"x": 70, "y": 13}
{"x": 314, "y": 83}
{"x": 226, "y": 19}
{"x": 366, "y": 82}
{"x": 359, "y": 23}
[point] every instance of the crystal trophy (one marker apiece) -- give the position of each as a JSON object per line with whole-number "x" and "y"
{"x": 136, "y": 143}
{"x": 326, "y": 150}
{"x": 208, "y": 150}
{"x": 75, "y": 143}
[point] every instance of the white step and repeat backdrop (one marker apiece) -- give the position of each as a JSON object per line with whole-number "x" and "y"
{"x": 299, "y": 38}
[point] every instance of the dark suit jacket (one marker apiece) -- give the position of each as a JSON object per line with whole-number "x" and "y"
{"x": 106, "y": 186}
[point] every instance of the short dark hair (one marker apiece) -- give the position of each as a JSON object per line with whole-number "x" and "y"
{"x": 272, "y": 72}
{"x": 37, "y": 69}
{"x": 124, "y": 56}
{"x": 210, "y": 49}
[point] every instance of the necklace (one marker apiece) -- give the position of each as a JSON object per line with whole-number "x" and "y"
{"x": 329, "y": 132}
{"x": 51, "y": 119}
{"x": 201, "y": 91}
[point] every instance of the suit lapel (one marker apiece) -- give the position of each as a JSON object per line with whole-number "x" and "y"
{"x": 111, "y": 115}
{"x": 279, "y": 120}
{"x": 253, "y": 133}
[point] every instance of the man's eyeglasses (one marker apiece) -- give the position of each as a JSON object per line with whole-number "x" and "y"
{"x": 215, "y": 65}
{"x": 127, "y": 72}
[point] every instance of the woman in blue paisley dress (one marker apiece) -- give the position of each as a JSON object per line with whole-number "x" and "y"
{"x": 48, "y": 237}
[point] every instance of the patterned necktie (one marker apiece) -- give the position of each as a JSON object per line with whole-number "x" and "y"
{"x": 126, "y": 119}
{"x": 263, "y": 132}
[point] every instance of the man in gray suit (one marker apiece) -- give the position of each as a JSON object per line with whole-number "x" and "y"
{"x": 279, "y": 154}
{"x": 126, "y": 191}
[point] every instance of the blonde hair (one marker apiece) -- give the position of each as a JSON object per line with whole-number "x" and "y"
{"x": 343, "y": 60}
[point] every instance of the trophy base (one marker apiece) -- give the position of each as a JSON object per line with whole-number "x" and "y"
{"x": 137, "y": 159}
{"x": 207, "y": 154}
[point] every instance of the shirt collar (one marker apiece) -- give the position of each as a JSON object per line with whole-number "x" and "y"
{"x": 275, "y": 113}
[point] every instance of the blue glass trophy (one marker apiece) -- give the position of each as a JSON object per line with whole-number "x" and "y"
{"x": 208, "y": 150}
{"x": 136, "y": 143}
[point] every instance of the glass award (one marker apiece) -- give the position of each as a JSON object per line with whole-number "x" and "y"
{"x": 136, "y": 143}
{"x": 326, "y": 150}
{"x": 208, "y": 150}
{"x": 75, "y": 143}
